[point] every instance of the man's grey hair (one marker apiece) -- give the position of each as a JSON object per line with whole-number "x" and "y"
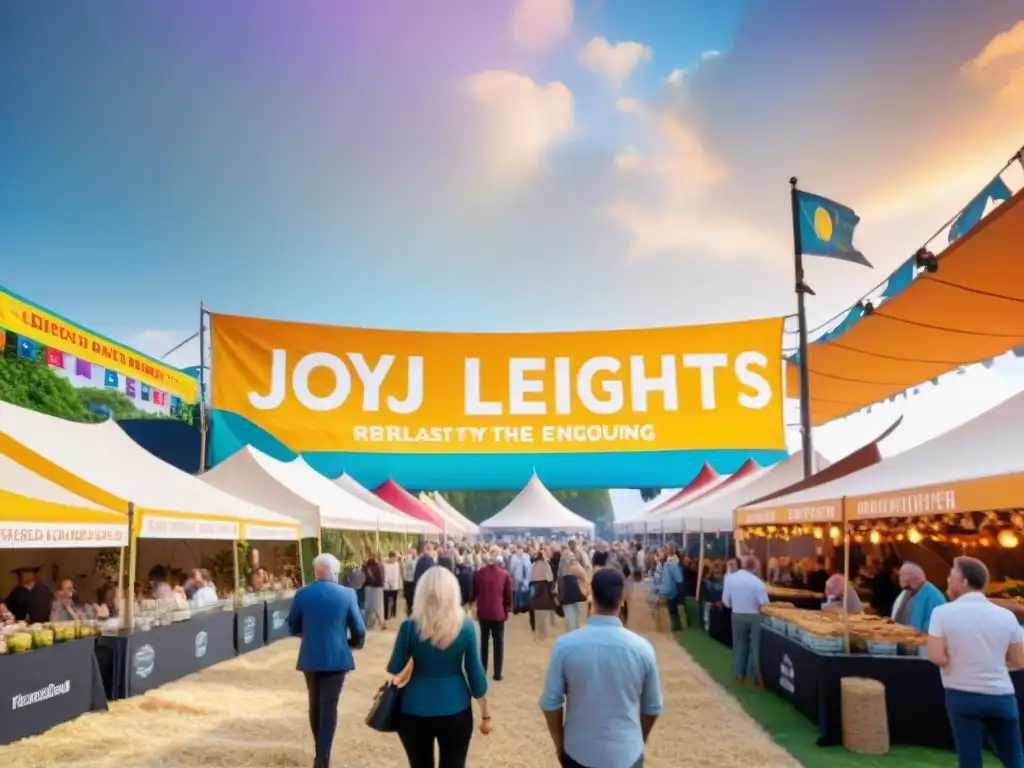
{"x": 330, "y": 565}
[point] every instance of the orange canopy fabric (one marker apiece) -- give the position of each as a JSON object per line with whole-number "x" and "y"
{"x": 970, "y": 310}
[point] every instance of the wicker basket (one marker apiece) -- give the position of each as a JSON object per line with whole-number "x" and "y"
{"x": 865, "y": 719}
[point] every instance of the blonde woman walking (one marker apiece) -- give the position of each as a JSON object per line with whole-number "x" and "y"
{"x": 446, "y": 674}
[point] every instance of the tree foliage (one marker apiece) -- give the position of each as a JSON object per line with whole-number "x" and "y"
{"x": 33, "y": 384}
{"x": 594, "y": 505}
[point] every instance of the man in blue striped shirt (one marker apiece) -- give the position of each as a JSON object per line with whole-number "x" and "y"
{"x": 602, "y": 693}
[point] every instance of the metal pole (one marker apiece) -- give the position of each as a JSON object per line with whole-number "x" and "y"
{"x": 202, "y": 388}
{"x": 806, "y": 445}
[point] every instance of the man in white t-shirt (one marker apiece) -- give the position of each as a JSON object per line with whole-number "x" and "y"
{"x": 975, "y": 643}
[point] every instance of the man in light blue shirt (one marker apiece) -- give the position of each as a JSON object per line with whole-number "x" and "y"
{"x": 745, "y": 593}
{"x": 605, "y": 680}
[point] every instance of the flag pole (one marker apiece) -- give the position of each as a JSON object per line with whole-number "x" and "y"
{"x": 806, "y": 445}
{"x": 202, "y": 387}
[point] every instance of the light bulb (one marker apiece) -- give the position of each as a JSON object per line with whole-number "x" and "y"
{"x": 875, "y": 537}
{"x": 818, "y": 533}
{"x": 834, "y": 532}
{"x": 1007, "y": 539}
{"x": 914, "y": 536}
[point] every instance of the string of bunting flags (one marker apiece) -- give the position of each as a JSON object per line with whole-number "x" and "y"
{"x": 30, "y": 349}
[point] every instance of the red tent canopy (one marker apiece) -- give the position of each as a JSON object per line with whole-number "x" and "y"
{"x": 706, "y": 478}
{"x": 405, "y": 502}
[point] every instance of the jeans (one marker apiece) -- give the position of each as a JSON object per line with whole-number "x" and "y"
{"x": 324, "y": 690}
{"x": 972, "y": 715}
{"x": 493, "y": 630}
{"x": 519, "y": 597}
{"x": 573, "y": 615}
{"x": 451, "y": 732}
{"x": 672, "y": 604}
{"x": 746, "y": 644}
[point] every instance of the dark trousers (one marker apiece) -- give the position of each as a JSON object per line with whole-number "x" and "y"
{"x": 973, "y": 715}
{"x": 390, "y": 603}
{"x": 568, "y": 762}
{"x": 493, "y": 630}
{"x": 324, "y": 690}
{"x": 409, "y": 590}
{"x": 451, "y": 732}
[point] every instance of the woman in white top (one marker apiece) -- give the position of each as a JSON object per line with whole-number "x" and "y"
{"x": 392, "y": 583}
{"x": 205, "y": 595}
{"x": 975, "y": 643}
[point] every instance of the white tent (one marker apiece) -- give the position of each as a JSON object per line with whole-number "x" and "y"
{"x": 37, "y": 514}
{"x": 297, "y": 490}
{"x": 977, "y": 466}
{"x": 713, "y": 512}
{"x": 101, "y": 463}
{"x": 412, "y": 525}
{"x": 535, "y": 508}
{"x": 467, "y": 525}
{"x": 451, "y": 526}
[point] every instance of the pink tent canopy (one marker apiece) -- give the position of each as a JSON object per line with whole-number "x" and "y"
{"x": 405, "y": 502}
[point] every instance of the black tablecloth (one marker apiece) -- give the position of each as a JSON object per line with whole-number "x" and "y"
{"x": 806, "y": 603}
{"x": 145, "y": 660}
{"x": 48, "y": 686}
{"x": 275, "y": 623}
{"x": 914, "y": 697}
{"x": 249, "y": 623}
{"x": 717, "y": 622}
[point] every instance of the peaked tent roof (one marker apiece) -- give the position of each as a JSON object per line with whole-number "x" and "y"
{"x": 714, "y": 511}
{"x": 705, "y": 481}
{"x": 405, "y": 502}
{"x": 974, "y": 467}
{"x": 49, "y": 516}
{"x": 297, "y": 490}
{"x": 535, "y": 508}
{"x": 444, "y": 504}
{"x": 101, "y": 463}
{"x": 449, "y": 524}
{"x": 350, "y": 485}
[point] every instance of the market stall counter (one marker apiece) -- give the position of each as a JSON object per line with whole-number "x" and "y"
{"x": 249, "y": 627}
{"x": 138, "y": 662}
{"x": 914, "y": 697}
{"x": 717, "y": 621}
{"x": 48, "y": 686}
{"x": 275, "y": 622}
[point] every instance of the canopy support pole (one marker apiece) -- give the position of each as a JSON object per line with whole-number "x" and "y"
{"x": 128, "y": 590}
{"x": 302, "y": 566}
{"x": 846, "y": 576}
{"x": 202, "y": 388}
{"x": 801, "y": 315}
{"x": 234, "y": 560}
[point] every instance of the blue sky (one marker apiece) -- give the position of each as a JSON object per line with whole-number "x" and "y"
{"x": 481, "y": 166}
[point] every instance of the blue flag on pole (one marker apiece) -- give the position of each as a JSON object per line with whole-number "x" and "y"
{"x": 826, "y": 228}
{"x": 971, "y": 215}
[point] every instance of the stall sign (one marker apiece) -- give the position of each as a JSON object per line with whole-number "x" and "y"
{"x": 254, "y": 532}
{"x": 248, "y": 630}
{"x": 827, "y": 511}
{"x": 278, "y": 619}
{"x": 160, "y": 527}
{"x": 51, "y": 691}
{"x": 32, "y": 535}
{"x": 787, "y": 675}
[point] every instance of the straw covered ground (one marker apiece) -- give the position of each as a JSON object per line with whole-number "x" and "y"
{"x": 251, "y": 712}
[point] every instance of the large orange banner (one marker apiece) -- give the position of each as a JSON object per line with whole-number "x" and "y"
{"x": 328, "y": 388}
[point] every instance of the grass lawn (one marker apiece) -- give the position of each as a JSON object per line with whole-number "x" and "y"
{"x": 789, "y": 728}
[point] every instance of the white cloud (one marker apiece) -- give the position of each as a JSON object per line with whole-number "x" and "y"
{"x": 709, "y": 55}
{"x": 537, "y": 26}
{"x": 675, "y": 77}
{"x": 614, "y": 61}
{"x": 1000, "y": 65}
{"x": 628, "y": 105}
{"x": 521, "y": 119}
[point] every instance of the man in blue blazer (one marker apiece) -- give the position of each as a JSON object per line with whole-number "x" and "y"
{"x": 326, "y": 616}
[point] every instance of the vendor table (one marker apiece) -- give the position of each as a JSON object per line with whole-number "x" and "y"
{"x": 48, "y": 686}
{"x": 717, "y": 622}
{"x": 806, "y": 603}
{"x": 139, "y": 662}
{"x": 914, "y": 697}
{"x": 249, "y": 623}
{"x": 275, "y": 623}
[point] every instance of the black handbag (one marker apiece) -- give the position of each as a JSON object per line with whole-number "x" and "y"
{"x": 387, "y": 704}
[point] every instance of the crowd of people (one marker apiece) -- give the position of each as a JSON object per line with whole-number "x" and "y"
{"x": 601, "y": 695}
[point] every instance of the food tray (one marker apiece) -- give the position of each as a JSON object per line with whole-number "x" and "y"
{"x": 883, "y": 649}
{"x": 823, "y": 644}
